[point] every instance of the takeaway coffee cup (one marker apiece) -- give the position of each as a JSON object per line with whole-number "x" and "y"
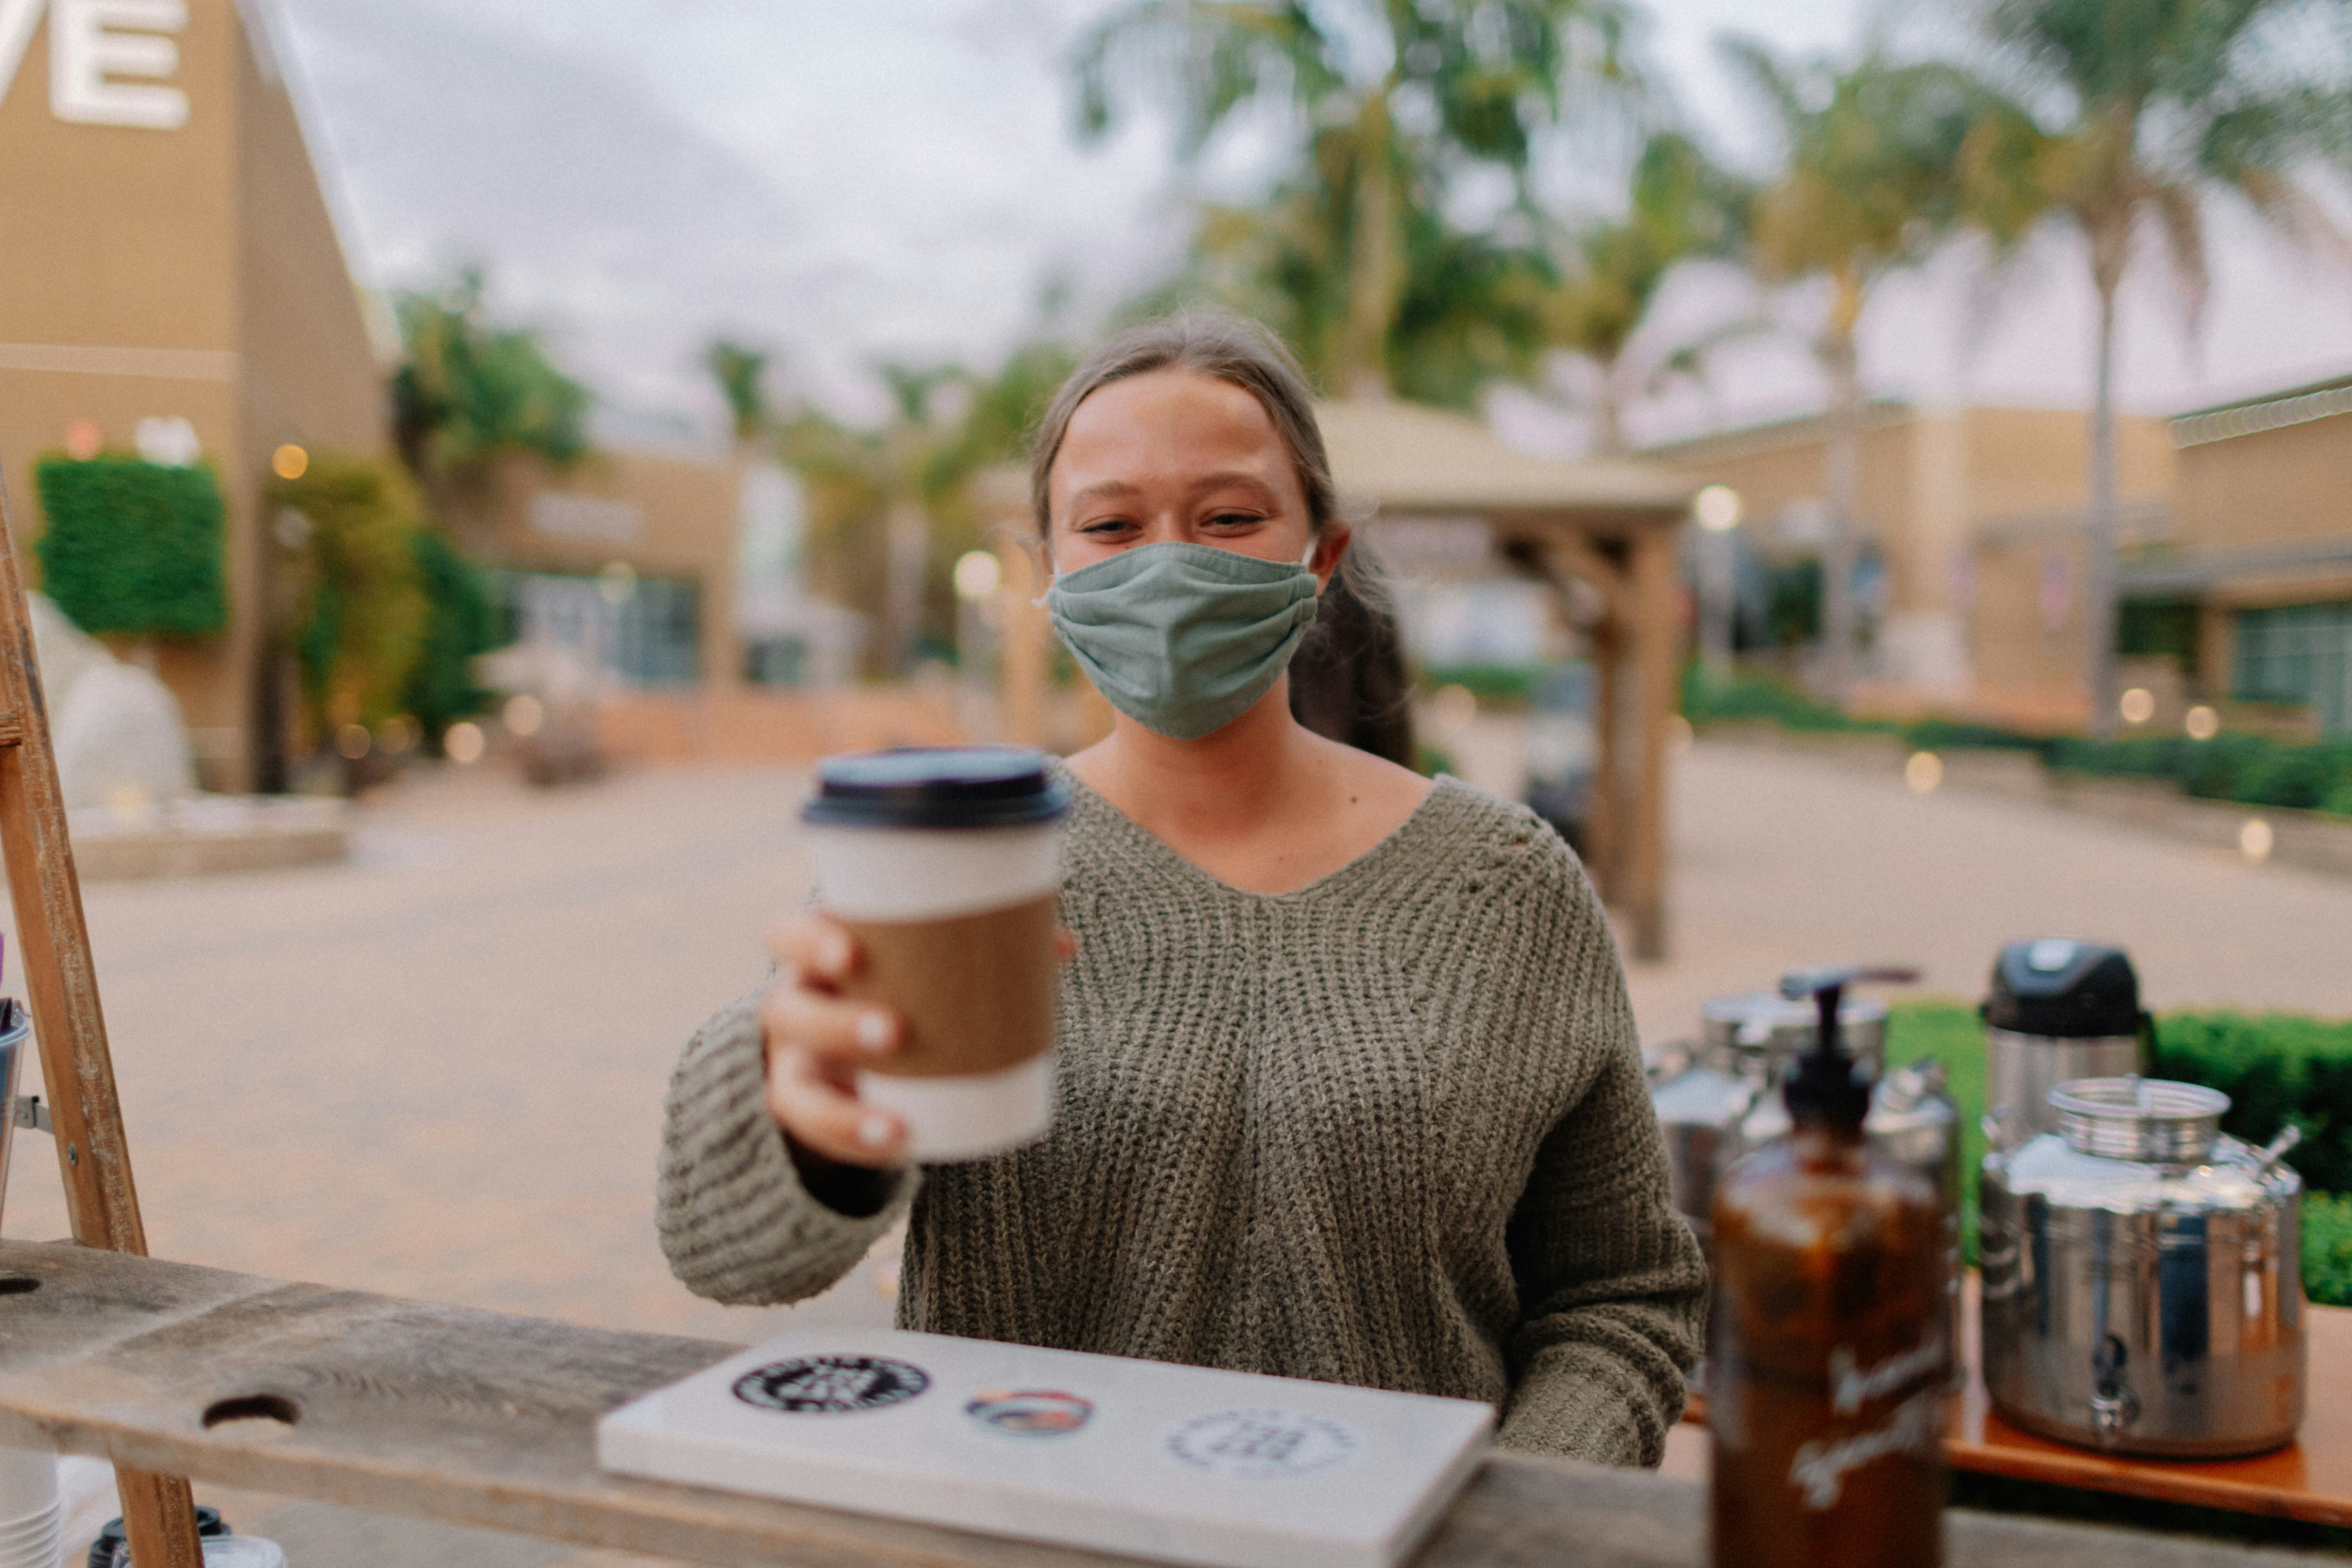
{"x": 945, "y": 863}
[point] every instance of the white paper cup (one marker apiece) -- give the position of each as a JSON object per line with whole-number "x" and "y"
{"x": 945, "y": 863}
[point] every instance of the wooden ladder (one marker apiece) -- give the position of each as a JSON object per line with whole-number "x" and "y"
{"x": 53, "y": 944}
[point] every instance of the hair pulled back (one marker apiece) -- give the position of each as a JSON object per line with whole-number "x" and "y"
{"x": 1213, "y": 344}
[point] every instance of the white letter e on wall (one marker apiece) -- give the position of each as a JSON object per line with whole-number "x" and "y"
{"x": 83, "y": 53}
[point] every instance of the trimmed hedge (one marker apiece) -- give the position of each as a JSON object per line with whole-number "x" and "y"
{"x": 2251, "y": 770}
{"x": 2274, "y": 1067}
{"x": 133, "y": 547}
{"x": 2248, "y": 770}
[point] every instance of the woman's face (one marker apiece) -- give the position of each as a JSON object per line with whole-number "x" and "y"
{"x": 1177, "y": 455}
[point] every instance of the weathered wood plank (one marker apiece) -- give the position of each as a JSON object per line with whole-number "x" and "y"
{"x": 446, "y": 1413}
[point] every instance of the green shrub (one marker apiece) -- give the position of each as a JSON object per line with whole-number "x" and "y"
{"x": 1487, "y": 683}
{"x": 1950, "y": 735}
{"x": 2276, "y": 1067}
{"x": 2327, "y": 1249}
{"x": 2249, "y": 769}
{"x": 460, "y": 621}
{"x": 1949, "y": 1032}
{"x": 361, "y": 581}
{"x": 1712, "y": 698}
{"x": 133, "y": 547}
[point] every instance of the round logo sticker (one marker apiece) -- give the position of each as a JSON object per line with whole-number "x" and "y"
{"x": 831, "y": 1384}
{"x": 1030, "y": 1412}
{"x": 1261, "y": 1444}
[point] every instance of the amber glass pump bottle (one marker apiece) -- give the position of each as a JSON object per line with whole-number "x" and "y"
{"x": 1827, "y": 1354}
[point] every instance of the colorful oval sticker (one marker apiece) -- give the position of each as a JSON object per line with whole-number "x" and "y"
{"x": 1030, "y": 1412}
{"x": 1261, "y": 1444}
{"x": 831, "y": 1384}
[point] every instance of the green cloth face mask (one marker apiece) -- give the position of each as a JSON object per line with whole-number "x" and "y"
{"x": 1183, "y": 638}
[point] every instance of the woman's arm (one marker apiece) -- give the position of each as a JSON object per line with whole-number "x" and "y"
{"x": 1612, "y": 1286}
{"x": 736, "y": 1220}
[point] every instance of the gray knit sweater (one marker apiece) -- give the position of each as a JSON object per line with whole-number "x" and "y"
{"x": 1390, "y": 1129}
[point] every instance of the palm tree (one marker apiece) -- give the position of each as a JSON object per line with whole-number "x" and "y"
{"x": 468, "y": 393}
{"x": 2163, "y": 101}
{"x": 1681, "y": 206}
{"x": 1392, "y": 97}
{"x": 1879, "y": 170}
{"x": 741, "y": 373}
{"x": 906, "y": 485}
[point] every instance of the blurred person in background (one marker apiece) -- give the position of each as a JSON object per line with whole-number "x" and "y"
{"x": 1347, "y": 1083}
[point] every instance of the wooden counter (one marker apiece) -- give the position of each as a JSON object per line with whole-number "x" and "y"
{"x": 404, "y": 1407}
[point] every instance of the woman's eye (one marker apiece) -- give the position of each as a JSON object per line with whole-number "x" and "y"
{"x": 1235, "y": 519}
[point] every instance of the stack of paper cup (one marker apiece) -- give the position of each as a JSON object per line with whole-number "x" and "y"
{"x": 32, "y": 1515}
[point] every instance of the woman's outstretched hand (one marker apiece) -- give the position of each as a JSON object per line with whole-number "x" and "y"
{"x": 818, "y": 1041}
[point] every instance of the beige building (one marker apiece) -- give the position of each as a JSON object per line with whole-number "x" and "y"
{"x": 169, "y": 258}
{"x": 1973, "y": 518}
{"x": 167, "y": 255}
{"x": 630, "y": 558}
{"x": 2261, "y": 550}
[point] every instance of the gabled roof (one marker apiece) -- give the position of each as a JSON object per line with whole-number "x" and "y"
{"x": 1409, "y": 458}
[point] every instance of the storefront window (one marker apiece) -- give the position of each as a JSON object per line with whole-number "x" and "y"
{"x": 644, "y": 629}
{"x": 2300, "y": 654}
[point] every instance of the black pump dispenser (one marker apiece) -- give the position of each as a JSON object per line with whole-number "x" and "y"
{"x": 1824, "y": 1090}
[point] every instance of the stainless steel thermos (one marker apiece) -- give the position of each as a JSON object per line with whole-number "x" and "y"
{"x": 2142, "y": 1278}
{"x": 2057, "y": 1010}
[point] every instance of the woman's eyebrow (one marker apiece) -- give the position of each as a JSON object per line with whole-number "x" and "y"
{"x": 1234, "y": 478}
{"x": 1103, "y": 490}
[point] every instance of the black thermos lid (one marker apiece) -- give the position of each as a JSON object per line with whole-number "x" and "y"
{"x": 2073, "y": 990}
{"x": 937, "y": 786}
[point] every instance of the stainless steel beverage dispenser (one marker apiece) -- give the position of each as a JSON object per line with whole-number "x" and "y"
{"x": 2059, "y": 1010}
{"x": 2143, "y": 1290}
{"x": 1701, "y": 1093}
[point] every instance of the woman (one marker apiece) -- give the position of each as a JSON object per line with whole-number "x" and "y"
{"x": 1349, "y": 1087}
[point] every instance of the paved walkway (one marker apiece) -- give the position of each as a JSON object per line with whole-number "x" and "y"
{"x": 437, "y": 1071}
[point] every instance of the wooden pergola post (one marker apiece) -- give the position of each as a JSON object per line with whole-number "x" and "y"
{"x": 1636, "y": 642}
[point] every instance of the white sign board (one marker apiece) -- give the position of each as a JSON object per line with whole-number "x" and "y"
{"x": 1221, "y": 1468}
{"x": 91, "y": 44}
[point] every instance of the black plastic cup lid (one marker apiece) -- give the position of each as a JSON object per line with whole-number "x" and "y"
{"x": 937, "y": 786}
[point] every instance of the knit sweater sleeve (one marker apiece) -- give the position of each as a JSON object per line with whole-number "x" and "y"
{"x": 737, "y": 1223}
{"x": 1611, "y": 1283}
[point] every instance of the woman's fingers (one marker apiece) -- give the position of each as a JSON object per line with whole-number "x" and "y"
{"x": 1066, "y": 945}
{"x": 825, "y": 1117}
{"x": 817, "y": 946}
{"x": 828, "y": 1026}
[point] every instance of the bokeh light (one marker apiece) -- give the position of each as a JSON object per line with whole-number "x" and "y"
{"x": 2138, "y": 706}
{"x": 464, "y": 742}
{"x": 524, "y": 714}
{"x": 1923, "y": 772}
{"x": 2202, "y": 723}
{"x": 290, "y": 462}
{"x": 84, "y": 440}
{"x": 978, "y": 575}
{"x": 2255, "y": 839}
{"x": 1717, "y": 508}
{"x": 354, "y": 741}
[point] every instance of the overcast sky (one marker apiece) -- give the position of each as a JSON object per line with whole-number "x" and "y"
{"x": 896, "y": 179}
